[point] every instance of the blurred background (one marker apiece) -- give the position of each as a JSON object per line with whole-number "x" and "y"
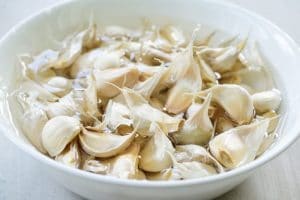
{"x": 21, "y": 179}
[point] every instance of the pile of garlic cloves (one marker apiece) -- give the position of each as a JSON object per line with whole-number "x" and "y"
{"x": 148, "y": 104}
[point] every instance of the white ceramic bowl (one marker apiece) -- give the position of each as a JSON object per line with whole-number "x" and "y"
{"x": 39, "y": 31}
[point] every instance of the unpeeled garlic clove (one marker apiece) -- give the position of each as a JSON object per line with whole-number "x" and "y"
{"x": 235, "y": 100}
{"x": 155, "y": 154}
{"x": 142, "y": 120}
{"x": 58, "y": 132}
{"x": 104, "y": 145}
{"x": 70, "y": 155}
{"x": 239, "y": 145}
{"x": 96, "y": 59}
{"x": 198, "y": 128}
{"x": 106, "y": 79}
{"x": 33, "y": 122}
{"x": 267, "y": 100}
{"x": 191, "y": 152}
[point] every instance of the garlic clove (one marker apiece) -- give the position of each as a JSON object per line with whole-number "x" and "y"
{"x": 239, "y": 145}
{"x": 174, "y": 35}
{"x": 179, "y": 97}
{"x": 58, "y": 132}
{"x": 104, "y": 145}
{"x": 191, "y": 152}
{"x": 106, "y": 79}
{"x": 267, "y": 100}
{"x": 33, "y": 122}
{"x": 235, "y": 100}
{"x": 58, "y": 85}
{"x": 147, "y": 87}
{"x": 266, "y": 143}
{"x": 70, "y": 156}
{"x": 198, "y": 128}
{"x": 95, "y": 166}
{"x": 99, "y": 58}
{"x": 154, "y": 155}
{"x": 142, "y": 120}
{"x": 207, "y": 73}
{"x": 117, "y": 116}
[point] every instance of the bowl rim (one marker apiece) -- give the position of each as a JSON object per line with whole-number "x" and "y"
{"x": 154, "y": 184}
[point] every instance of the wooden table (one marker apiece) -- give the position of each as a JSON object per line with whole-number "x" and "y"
{"x": 21, "y": 179}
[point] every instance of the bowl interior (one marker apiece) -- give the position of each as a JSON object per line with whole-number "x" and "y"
{"x": 47, "y": 27}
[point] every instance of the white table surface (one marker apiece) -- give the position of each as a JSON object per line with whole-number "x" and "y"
{"x": 21, "y": 179}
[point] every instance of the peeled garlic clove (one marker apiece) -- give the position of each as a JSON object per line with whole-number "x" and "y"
{"x": 95, "y": 166}
{"x": 191, "y": 152}
{"x": 142, "y": 120}
{"x": 117, "y": 115}
{"x": 33, "y": 122}
{"x": 58, "y": 85}
{"x": 106, "y": 79}
{"x": 255, "y": 79}
{"x": 191, "y": 170}
{"x": 174, "y": 35}
{"x": 198, "y": 128}
{"x": 274, "y": 120}
{"x": 266, "y": 143}
{"x": 96, "y": 59}
{"x": 155, "y": 154}
{"x": 70, "y": 156}
{"x": 235, "y": 100}
{"x": 163, "y": 175}
{"x": 147, "y": 87}
{"x": 267, "y": 100}
{"x": 64, "y": 107}
{"x": 104, "y": 145}
{"x": 44, "y": 60}
{"x": 36, "y": 91}
{"x": 126, "y": 165}
{"x": 239, "y": 145}
{"x": 58, "y": 132}
{"x": 180, "y": 98}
